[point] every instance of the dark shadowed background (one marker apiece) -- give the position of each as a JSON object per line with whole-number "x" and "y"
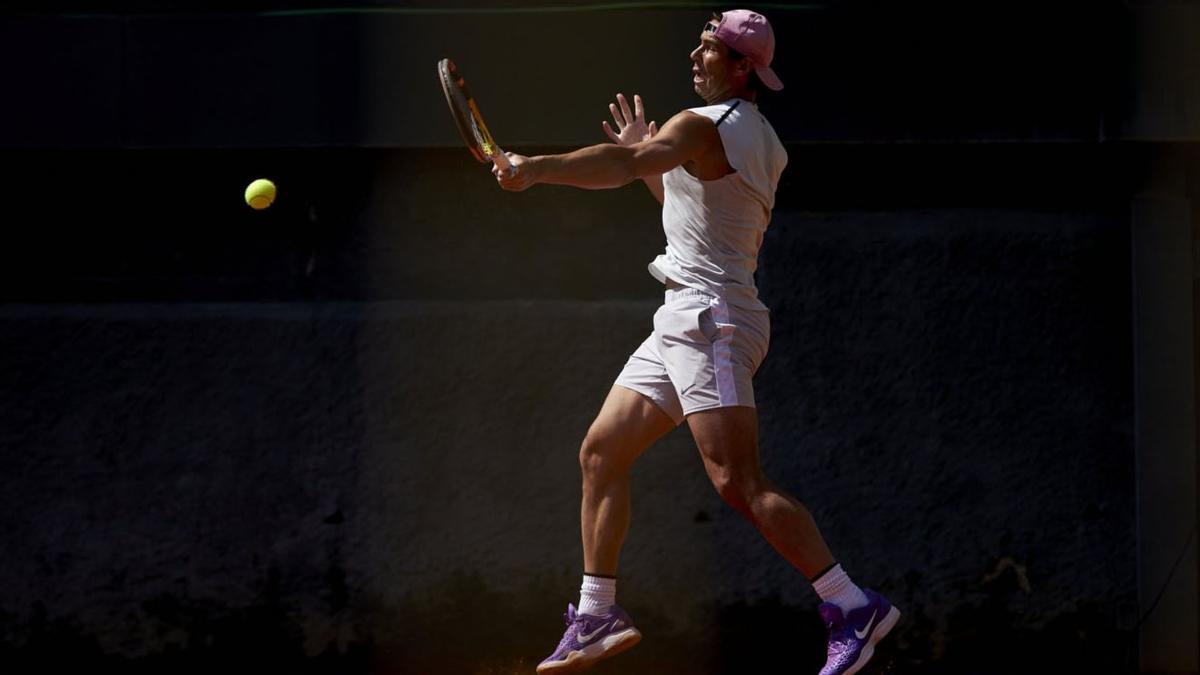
{"x": 340, "y": 435}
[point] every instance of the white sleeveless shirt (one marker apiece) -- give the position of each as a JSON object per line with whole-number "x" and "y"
{"x": 714, "y": 228}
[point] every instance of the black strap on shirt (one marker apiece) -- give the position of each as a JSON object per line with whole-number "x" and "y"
{"x": 722, "y": 119}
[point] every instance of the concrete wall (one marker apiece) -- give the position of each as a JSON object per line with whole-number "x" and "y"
{"x": 1165, "y": 341}
{"x": 337, "y": 435}
{"x": 325, "y": 436}
{"x": 855, "y": 71}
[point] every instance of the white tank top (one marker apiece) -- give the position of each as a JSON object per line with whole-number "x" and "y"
{"x": 714, "y": 228}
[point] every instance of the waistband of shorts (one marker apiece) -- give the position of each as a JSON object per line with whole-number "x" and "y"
{"x": 675, "y": 292}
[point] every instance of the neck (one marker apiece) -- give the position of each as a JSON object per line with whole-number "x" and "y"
{"x": 747, "y": 94}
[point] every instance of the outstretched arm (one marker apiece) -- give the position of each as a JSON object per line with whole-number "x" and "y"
{"x": 685, "y": 137}
{"x": 633, "y": 129}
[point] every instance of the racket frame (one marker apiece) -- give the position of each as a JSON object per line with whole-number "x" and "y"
{"x": 468, "y": 118}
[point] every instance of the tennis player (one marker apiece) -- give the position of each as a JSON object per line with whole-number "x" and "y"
{"x": 715, "y": 169}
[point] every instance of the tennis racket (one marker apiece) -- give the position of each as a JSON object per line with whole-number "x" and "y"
{"x": 468, "y": 118}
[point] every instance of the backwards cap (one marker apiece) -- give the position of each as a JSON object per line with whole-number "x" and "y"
{"x": 749, "y": 33}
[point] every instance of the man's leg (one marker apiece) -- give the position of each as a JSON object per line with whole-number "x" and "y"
{"x": 857, "y": 618}
{"x": 627, "y": 424}
{"x": 728, "y": 443}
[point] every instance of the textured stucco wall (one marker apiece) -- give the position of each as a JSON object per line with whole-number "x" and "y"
{"x": 340, "y": 435}
{"x": 389, "y": 484}
{"x": 205, "y": 73}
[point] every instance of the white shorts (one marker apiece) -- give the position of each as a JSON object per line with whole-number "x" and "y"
{"x": 701, "y": 355}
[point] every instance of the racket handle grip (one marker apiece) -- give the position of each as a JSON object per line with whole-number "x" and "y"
{"x": 501, "y": 161}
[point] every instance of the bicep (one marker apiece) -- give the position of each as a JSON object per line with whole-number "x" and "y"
{"x": 684, "y": 138}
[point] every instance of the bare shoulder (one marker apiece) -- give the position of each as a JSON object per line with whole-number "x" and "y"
{"x": 688, "y": 130}
{"x": 687, "y": 140}
{"x": 704, "y": 153}
{"x": 690, "y": 123}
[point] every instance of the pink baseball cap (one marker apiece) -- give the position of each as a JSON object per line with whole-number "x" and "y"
{"x": 750, "y": 34}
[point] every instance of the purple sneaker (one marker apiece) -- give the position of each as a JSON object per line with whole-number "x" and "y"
{"x": 852, "y": 637}
{"x": 590, "y": 639}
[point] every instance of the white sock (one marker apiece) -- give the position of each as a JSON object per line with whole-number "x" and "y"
{"x": 835, "y": 586}
{"x": 597, "y": 595}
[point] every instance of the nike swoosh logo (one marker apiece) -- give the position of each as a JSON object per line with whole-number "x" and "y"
{"x": 585, "y": 638}
{"x": 862, "y": 634}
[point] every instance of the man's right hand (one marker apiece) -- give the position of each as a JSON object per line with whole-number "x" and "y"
{"x": 631, "y": 128}
{"x": 518, "y": 176}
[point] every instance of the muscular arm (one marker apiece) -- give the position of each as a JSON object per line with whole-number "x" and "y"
{"x": 630, "y": 127}
{"x": 685, "y": 137}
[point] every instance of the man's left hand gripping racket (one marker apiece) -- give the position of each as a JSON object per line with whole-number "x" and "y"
{"x": 468, "y": 118}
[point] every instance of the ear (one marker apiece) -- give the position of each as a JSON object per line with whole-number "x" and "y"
{"x": 743, "y": 67}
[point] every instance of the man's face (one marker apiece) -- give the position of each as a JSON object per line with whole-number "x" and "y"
{"x": 712, "y": 67}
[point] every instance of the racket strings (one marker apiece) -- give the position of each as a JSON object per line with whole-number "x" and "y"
{"x": 481, "y": 131}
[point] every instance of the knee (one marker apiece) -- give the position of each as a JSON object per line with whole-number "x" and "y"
{"x": 736, "y": 488}
{"x": 596, "y": 461}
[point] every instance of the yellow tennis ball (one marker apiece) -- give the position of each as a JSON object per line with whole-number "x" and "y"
{"x": 260, "y": 194}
